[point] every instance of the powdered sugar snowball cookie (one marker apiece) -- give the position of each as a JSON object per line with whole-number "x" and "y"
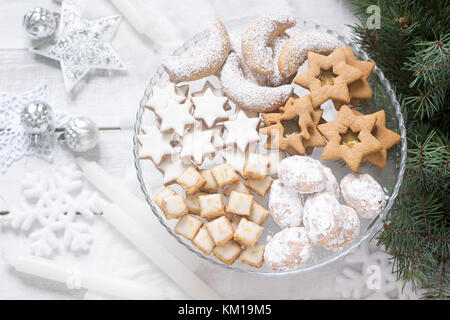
{"x": 331, "y": 184}
{"x": 285, "y": 205}
{"x": 242, "y": 130}
{"x": 210, "y": 108}
{"x": 260, "y": 79}
{"x": 277, "y": 79}
{"x": 161, "y": 96}
{"x": 349, "y": 230}
{"x": 259, "y": 35}
{"x": 247, "y": 94}
{"x": 176, "y": 117}
{"x": 288, "y": 249}
{"x": 304, "y": 174}
{"x": 205, "y": 62}
{"x": 322, "y": 217}
{"x": 295, "y": 50}
{"x": 364, "y": 194}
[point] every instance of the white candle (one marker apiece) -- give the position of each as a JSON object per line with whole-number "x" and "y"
{"x": 161, "y": 257}
{"x": 136, "y": 209}
{"x": 76, "y": 278}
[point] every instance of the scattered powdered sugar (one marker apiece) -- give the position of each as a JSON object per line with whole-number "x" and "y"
{"x": 254, "y": 77}
{"x": 259, "y": 35}
{"x": 288, "y": 249}
{"x": 322, "y": 217}
{"x": 203, "y": 62}
{"x": 349, "y": 230}
{"x": 304, "y": 174}
{"x": 248, "y": 95}
{"x": 295, "y": 50}
{"x": 364, "y": 194}
{"x": 277, "y": 79}
{"x": 285, "y": 205}
{"x": 331, "y": 184}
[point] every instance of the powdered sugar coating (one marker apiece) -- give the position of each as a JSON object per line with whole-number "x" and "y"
{"x": 203, "y": 63}
{"x": 248, "y": 95}
{"x": 259, "y": 35}
{"x": 349, "y": 230}
{"x": 364, "y": 194}
{"x": 304, "y": 174}
{"x": 322, "y": 217}
{"x": 254, "y": 77}
{"x": 295, "y": 51}
{"x": 288, "y": 249}
{"x": 331, "y": 184}
{"x": 277, "y": 79}
{"x": 285, "y": 205}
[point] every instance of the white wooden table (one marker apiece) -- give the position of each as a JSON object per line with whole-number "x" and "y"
{"x": 111, "y": 100}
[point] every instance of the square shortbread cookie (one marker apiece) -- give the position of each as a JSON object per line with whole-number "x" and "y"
{"x": 248, "y": 233}
{"x": 228, "y": 252}
{"x": 253, "y": 256}
{"x": 239, "y": 203}
{"x": 188, "y": 226}
{"x": 174, "y": 206}
{"x": 191, "y": 180}
{"x": 211, "y": 205}
{"x": 204, "y": 242}
{"x": 220, "y": 230}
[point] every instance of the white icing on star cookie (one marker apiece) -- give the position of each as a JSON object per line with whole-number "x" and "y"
{"x": 242, "y": 131}
{"x": 161, "y": 96}
{"x": 197, "y": 144}
{"x": 175, "y": 117}
{"x": 210, "y": 108}
{"x": 172, "y": 168}
{"x": 154, "y": 144}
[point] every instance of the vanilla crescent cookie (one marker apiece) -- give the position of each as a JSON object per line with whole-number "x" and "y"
{"x": 205, "y": 62}
{"x": 277, "y": 79}
{"x": 349, "y": 230}
{"x": 285, "y": 205}
{"x": 364, "y": 194}
{"x": 304, "y": 174}
{"x": 295, "y": 50}
{"x": 288, "y": 249}
{"x": 322, "y": 217}
{"x": 247, "y": 94}
{"x": 257, "y": 38}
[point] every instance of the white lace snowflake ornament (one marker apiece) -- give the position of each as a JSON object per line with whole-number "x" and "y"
{"x": 54, "y": 207}
{"x": 368, "y": 275}
{"x": 15, "y": 141}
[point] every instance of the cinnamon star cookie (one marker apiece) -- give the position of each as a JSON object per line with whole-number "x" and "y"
{"x": 328, "y": 77}
{"x": 349, "y": 137}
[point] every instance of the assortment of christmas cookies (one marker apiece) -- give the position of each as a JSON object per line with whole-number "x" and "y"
{"x": 237, "y": 154}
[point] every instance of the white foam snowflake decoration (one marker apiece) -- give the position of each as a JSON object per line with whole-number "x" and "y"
{"x": 368, "y": 275}
{"x": 55, "y": 206}
{"x": 15, "y": 142}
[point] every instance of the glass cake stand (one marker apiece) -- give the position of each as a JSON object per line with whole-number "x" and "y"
{"x": 390, "y": 177}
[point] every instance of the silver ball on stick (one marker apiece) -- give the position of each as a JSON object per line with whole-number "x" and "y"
{"x": 37, "y": 117}
{"x": 40, "y": 23}
{"x": 81, "y": 134}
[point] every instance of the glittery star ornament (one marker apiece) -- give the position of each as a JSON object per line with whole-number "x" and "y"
{"x": 80, "y": 45}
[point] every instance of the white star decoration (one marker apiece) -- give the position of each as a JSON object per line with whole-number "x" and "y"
{"x": 154, "y": 144}
{"x": 161, "y": 96}
{"x": 176, "y": 117}
{"x": 242, "y": 131}
{"x": 210, "y": 108}
{"x": 80, "y": 45}
{"x": 197, "y": 144}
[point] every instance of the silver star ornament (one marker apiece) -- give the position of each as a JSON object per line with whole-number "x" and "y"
{"x": 80, "y": 45}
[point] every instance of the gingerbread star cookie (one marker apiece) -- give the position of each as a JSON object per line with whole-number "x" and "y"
{"x": 349, "y": 137}
{"x": 155, "y": 145}
{"x": 359, "y": 89}
{"x": 296, "y": 124}
{"x": 209, "y": 106}
{"x": 328, "y": 77}
{"x": 387, "y": 138}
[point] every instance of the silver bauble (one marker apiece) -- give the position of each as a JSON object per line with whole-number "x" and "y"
{"x": 40, "y": 23}
{"x": 37, "y": 117}
{"x": 81, "y": 134}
